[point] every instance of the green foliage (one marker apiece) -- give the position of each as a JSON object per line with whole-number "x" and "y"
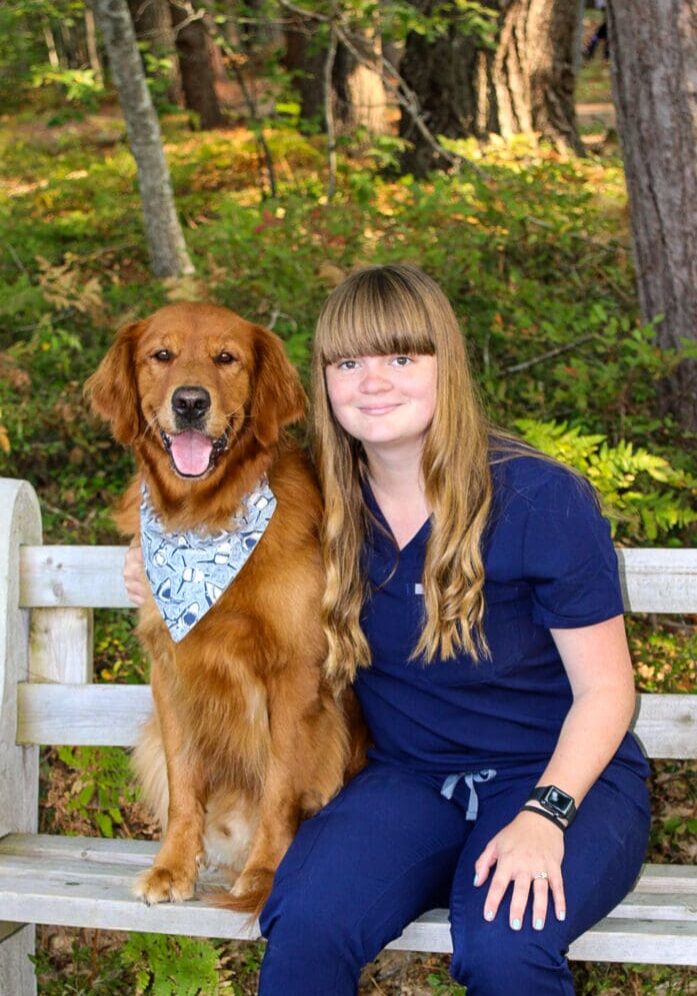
{"x": 441, "y": 984}
{"x": 79, "y": 87}
{"x": 564, "y": 351}
{"x": 23, "y": 49}
{"x": 102, "y": 788}
{"x": 664, "y": 657}
{"x": 172, "y": 966}
{"x": 89, "y": 970}
{"x": 118, "y": 655}
{"x": 625, "y": 476}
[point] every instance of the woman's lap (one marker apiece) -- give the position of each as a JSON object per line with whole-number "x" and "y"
{"x": 390, "y": 847}
{"x": 368, "y": 840}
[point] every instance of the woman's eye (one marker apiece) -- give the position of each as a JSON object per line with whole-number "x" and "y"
{"x": 346, "y": 365}
{"x": 224, "y": 358}
{"x": 162, "y": 356}
{"x": 402, "y": 361}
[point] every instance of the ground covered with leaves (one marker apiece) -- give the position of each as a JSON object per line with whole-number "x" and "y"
{"x": 533, "y": 251}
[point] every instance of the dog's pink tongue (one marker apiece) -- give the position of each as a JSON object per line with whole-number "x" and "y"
{"x": 191, "y": 453}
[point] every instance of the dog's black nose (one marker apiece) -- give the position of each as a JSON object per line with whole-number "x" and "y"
{"x": 190, "y": 404}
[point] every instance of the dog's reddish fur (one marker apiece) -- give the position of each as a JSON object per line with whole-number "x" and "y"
{"x": 252, "y": 736}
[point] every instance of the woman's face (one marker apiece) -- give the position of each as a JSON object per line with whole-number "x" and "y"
{"x": 383, "y": 400}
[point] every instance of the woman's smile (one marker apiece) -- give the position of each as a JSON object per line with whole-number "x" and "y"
{"x": 383, "y": 400}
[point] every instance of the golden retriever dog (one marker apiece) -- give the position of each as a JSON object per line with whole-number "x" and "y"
{"x": 247, "y": 738}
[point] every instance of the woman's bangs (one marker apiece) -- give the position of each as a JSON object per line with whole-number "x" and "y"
{"x": 374, "y": 328}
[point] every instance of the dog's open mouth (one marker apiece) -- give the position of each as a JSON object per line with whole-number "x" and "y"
{"x": 193, "y": 453}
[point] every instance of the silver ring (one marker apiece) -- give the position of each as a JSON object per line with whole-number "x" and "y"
{"x": 541, "y": 875}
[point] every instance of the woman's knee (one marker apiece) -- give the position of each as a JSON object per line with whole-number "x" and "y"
{"x": 492, "y": 959}
{"x": 311, "y": 949}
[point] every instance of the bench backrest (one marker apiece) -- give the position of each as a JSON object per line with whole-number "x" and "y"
{"x": 63, "y": 584}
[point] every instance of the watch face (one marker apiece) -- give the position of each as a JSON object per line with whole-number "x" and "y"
{"x": 557, "y": 800}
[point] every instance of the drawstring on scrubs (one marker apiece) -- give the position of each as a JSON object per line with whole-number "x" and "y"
{"x": 470, "y": 777}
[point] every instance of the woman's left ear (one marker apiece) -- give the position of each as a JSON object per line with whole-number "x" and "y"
{"x": 278, "y": 397}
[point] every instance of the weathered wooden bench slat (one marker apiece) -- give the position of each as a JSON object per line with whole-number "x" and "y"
{"x": 35, "y": 873}
{"x": 658, "y": 580}
{"x": 639, "y": 941}
{"x": 139, "y": 853}
{"x": 86, "y": 882}
{"x": 110, "y": 715}
{"x": 73, "y": 577}
{"x": 126, "y": 851}
{"x": 92, "y": 715}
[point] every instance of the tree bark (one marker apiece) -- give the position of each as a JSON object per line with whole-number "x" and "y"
{"x": 358, "y": 87}
{"x": 451, "y": 78}
{"x": 653, "y": 45}
{"x": 195, "y": 63}
{"x": 153, "y": 25}
{"x": 534, "y": 73}
{"x": 49, "y": 38}
{"x": 164, "y": 235}
{"x": 92, "y": 50}
{"x": 305, "y": 59}
{"x": 358, "y": 98}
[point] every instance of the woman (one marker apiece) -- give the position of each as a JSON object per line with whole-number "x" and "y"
{"x": 473, "y": 599}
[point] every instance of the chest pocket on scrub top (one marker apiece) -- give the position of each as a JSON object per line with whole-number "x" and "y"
{"x": 504, "y": 622}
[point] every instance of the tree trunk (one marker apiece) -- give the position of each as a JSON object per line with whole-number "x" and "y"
{"x": 358, "y": 92}
{"x": 164, "y": 235}
{"x": 153, "y": 25}
{"x": 49, "y": 38}
{"x": 358, "y": 86}
{"x": 195, "y": 62}
{"x": 534, "y": 70}
{"x": 653, "y": 45}
{"x": 93, "y": 52}
{"x": 305, "y": 59}
{"x": 451, "y": 78}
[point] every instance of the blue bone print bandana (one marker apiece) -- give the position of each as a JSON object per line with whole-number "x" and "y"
{"x": 189, "y": 571}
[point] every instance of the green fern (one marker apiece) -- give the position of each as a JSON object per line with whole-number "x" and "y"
{"x": 622, "y": 476}
{"x": 173, "y": 966}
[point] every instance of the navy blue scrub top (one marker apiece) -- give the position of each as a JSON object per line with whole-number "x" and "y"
{"x": 549, "y": 563}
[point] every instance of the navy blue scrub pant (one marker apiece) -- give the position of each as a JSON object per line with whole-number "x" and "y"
{"x": 390, "y": 846}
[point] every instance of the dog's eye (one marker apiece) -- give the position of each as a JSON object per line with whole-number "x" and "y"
{"x": 224, "y": 358}
{"x": 162, "y": 356}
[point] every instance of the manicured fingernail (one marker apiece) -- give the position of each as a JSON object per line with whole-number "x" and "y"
{"x": 476, "y": 880}
{"x": 538, "y": 924}
{"x": 561, "y": 915}
{"x": 516, "y": 924}
{"x": 489, "y": 915}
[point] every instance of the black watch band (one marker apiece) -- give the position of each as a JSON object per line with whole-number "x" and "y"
{"x": 554, "y": 801}
{"x": 548, "y": 816}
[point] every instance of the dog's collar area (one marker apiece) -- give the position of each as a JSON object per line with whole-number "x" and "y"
{"x": 188, "y": 571}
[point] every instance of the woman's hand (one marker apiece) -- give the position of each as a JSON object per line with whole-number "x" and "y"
{"x": 134, "y": 574}
{"x": 525, "y": 849}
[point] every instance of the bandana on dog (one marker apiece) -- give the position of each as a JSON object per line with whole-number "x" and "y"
{"x": 189, "y": 571}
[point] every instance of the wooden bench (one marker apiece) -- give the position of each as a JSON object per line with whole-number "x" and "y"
{"x": 47, "y": 594}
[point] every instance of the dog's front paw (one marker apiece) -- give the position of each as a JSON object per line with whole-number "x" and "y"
{"x": 162, "y": 884}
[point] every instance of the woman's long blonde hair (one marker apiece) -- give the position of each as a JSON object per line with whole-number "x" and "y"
{"x": 397, "y": 309}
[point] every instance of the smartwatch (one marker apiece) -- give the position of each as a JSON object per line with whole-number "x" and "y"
{"x": 553, "y": 800}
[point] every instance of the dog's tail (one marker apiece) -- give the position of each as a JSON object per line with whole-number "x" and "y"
{"x": 251, "y": 902}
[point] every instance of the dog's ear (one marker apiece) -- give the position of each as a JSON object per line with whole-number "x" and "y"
{"x": 112, "y": 388}
{"x": 278, "y": 394}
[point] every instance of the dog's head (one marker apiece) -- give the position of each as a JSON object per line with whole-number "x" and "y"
{"x": 195, "y": 382}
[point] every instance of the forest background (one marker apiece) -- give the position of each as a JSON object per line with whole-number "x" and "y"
{"x": 283, "y": 145}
